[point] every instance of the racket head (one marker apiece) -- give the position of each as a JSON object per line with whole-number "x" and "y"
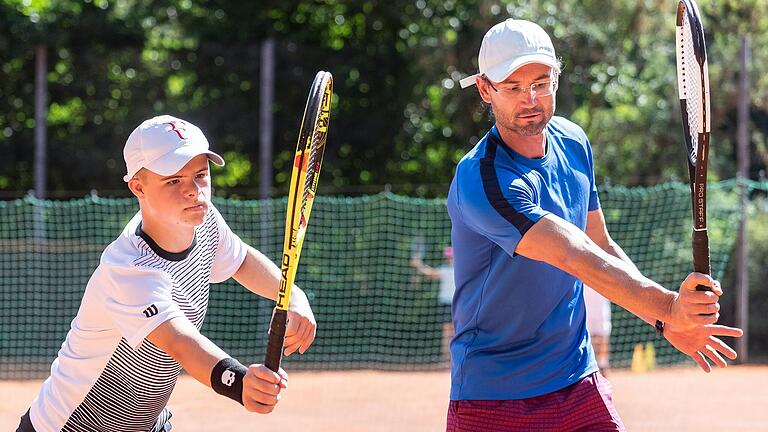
{"x": 692, "y": 77}
{"x": 418, "y": 247}
{"x": 305, "y": 175}
{"x": 322, "y": 92}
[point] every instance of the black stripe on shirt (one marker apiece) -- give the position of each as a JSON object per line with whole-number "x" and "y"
{"x": 492, "y": 188}
{"x": 170, "y": 256}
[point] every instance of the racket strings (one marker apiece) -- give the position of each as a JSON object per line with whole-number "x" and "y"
{"x": 312, "y": 165}
{"x": 692, "y": 88}
{"x": 316, "y": 148}
{"x": 314, "y": 160}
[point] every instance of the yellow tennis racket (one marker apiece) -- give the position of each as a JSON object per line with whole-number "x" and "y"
{"x": 304, "y": 178}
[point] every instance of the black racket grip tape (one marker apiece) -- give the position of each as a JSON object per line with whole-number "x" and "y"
{"x": 701, "y": 255}
{"x": 276, "y": 338}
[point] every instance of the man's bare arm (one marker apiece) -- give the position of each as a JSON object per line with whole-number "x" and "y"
{"x": 261, "y": 276}
{"x": 196, "y": 353}
{"x": 561, "y": 244}
{"x": 701, "y": 344}
{"x": 598, "y": 232}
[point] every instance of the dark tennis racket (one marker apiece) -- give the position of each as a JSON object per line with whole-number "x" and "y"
{"x": 304, "y": 178}
{"x": 693, "y": 86}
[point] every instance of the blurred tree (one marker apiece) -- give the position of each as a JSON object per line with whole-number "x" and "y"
{"x": 92, "y": 55}
{"x": 727, "y": 21}
{"x": 398, "y": 116}
{"x": 618, "y": 81}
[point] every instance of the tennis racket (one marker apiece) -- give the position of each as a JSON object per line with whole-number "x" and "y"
{"x": 304, "y": 177}
{"x": 693, "y": 86}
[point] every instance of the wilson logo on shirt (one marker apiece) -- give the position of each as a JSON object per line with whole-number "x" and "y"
{"x": 150, "y": 311}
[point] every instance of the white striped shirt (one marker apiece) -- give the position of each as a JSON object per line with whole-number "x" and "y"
{"x": 106, "y": 376}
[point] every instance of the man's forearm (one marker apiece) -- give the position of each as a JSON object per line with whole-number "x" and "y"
{"x": 614, "y": 249}
{"x": 184, "y": 343}
{"x": 261, "y": 276}
{"x": 622, "y": 283}
{"x": 561, "y": 244}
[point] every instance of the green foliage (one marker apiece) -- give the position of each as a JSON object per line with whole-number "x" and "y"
{"x": 235, "y": 172}
{"x": 398, "y": 116}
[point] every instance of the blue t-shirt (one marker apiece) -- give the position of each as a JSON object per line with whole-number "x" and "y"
{"x": 520, "y": 323}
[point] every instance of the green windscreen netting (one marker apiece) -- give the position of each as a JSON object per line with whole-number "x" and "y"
{"x": 373, "y": 308}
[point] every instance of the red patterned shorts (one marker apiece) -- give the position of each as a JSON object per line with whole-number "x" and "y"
{"x": 584, "y": 406}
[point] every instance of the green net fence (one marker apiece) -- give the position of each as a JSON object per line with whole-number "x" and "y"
{"x": 372, "y": 307}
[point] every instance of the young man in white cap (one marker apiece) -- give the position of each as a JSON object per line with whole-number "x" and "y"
{"x": 527, "y": 230}
{"x": 139, "y": 319}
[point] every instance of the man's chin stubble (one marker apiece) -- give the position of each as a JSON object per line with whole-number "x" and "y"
{"x": 531, "y": 130}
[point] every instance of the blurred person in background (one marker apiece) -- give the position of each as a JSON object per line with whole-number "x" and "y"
{"x": 443, "y": 274}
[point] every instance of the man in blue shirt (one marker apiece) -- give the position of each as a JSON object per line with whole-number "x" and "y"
{"x": 527, "y": 231}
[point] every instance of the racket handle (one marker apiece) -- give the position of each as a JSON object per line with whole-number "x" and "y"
{"x": 701, "y": 255}
{"x": 276, "y": 338}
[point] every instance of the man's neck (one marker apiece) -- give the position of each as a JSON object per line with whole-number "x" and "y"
{"x": 530, "y": 146}
{"x": 170, "y": 237}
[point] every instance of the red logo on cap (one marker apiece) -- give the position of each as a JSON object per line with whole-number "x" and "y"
{"x": 179, "y": 129}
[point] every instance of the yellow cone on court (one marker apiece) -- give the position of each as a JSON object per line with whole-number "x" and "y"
{"x": 638, "y": 359}
{"x": 650, "y": 356}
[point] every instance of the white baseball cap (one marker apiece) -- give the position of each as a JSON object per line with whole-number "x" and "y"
{"x": 509, "y": 45}
{"x": 163, "y": 145}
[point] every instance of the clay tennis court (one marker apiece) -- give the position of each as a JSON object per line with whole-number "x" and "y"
{"x": 674, "y": 399}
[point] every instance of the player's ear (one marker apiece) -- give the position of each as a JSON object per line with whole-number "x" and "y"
{"x": 484, "y": 89}
{"x": 136, "y": 187}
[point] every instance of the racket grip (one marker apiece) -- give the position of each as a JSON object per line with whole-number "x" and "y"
{"x": 276, "y": 338}
{"x": 701, "y": 255}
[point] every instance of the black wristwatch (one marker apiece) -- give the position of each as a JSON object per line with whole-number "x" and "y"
{"x": 659, "y": 327}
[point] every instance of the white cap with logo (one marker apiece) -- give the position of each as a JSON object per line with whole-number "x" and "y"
{"x": 509, "y": 45}
{"x": 163, "y": 145}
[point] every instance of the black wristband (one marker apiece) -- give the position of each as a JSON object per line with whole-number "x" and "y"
{"x": 227, "y": 379}
{"x": 659, "y": 327}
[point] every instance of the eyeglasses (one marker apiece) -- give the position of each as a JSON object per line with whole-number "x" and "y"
{"x": 539, "y": 88}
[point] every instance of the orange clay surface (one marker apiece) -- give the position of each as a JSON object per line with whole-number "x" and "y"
{"x": 677, "y": 399}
